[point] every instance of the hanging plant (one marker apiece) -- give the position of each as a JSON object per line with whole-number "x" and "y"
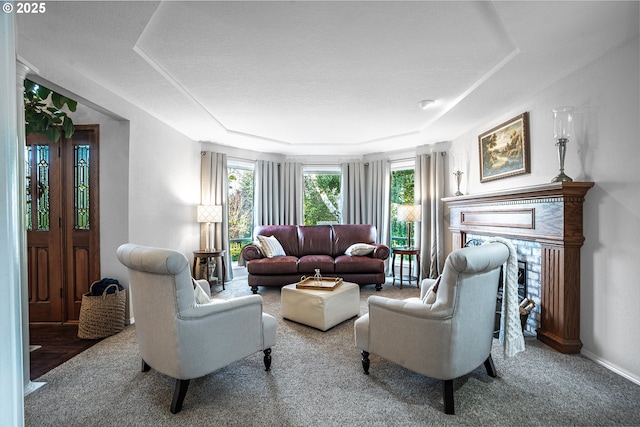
{"x": 43, "y": 112}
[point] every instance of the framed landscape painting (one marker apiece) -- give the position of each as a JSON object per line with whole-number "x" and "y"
{"x": 504, "y": 150}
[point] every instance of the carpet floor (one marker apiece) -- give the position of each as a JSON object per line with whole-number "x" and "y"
{"x": 317, "y": 379}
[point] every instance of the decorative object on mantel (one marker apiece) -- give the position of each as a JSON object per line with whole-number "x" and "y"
{"x": 562, "y": 124}
{"x": 458, "y": 175}
{"x": 504, "y": 150}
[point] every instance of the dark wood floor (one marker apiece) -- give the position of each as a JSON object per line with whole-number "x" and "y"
{"x": 59, "y": 343}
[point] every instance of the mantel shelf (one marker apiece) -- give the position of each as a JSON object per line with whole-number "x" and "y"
{"x": 532, "y": 192}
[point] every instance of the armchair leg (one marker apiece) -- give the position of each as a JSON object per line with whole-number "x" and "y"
{"x": 365, "y": 362}
{"x": 490, "y": 367}
{"x": 254, "y": 289}
{"x": 178, "y": 395}
{"x": 145, "y": 366}
{"x": 447, "y": 394}
{"x": 267, "y": 359}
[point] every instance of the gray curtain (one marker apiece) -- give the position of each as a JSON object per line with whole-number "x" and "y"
{"x": 378, "y": 199}
{"x": 292, "y": 193}
{"x": 215, "y": 191}
{"x": 429, "y": 191}
{"x": 365, "y": 195}
{"x": 278, "y": 193}
{"x": 352, "y": 193}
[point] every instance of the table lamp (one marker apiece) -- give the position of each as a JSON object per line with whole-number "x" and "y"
{"x": 409, "y": 214}
{"x": 208, "y": 214}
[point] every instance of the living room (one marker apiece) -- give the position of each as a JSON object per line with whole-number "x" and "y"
{"x": 159, "y": 167}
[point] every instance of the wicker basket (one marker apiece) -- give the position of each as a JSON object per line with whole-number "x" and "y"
{"x": 102, "y": 315}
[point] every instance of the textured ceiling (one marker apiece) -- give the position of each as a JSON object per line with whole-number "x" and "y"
{"x": 315, "y": 77}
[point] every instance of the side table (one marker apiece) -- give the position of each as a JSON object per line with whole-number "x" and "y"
{"x": 410, "y": 252}
{"x": 203, "y": 255}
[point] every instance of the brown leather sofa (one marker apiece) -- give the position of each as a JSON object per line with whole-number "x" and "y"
{"x": 316, "y": 246}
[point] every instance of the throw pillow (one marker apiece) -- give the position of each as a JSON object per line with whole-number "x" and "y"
{"x": 359, "y": 249}
{"x": 430, "y": 296}
{"x": 271, "y": 247}
{"x": 200, "y": 294}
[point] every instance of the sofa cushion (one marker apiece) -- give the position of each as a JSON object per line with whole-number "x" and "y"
{"x": 270, "y": 246}
{"x": 359, "y": 249}
{"x": 315, "y": 240}
{"x": 345, "y": 235}
{"x": 358, "y": 264}
{"x": 307, "y": 264}
{"x": 287, "y": 235}
{"x": 273, "y": 266}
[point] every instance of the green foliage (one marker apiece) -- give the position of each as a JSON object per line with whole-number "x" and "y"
{"x": 47, "y": 118}
{"x": 321, "y": 198}
{"x": 240, "y": 203}
{"x": 402, "y": 193}
{"x": 402, "y": 185}
{"x": 235, "y": 249}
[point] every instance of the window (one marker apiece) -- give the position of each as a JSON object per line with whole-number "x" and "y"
{"x": 402, "y": 185}
{"x": 240, "y": 202}
{"x": 321, "y": 195}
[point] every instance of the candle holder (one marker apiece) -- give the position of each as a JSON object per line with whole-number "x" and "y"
{"x": 562, "y": 122}
{"x": 458, "y": 175}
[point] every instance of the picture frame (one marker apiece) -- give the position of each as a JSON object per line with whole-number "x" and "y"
{"x": 504, "y": 150}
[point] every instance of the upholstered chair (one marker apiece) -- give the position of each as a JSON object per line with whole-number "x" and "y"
{"x": 442, "y": 335}
{"x": 184, "y": 339}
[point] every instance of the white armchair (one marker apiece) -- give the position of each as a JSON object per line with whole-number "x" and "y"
{"x": 178, "y": 336}
{"x": 447, "y": 337}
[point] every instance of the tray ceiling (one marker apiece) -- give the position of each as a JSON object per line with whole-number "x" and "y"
{"x": 317, "y": 77}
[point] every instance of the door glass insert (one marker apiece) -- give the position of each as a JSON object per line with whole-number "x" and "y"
{"x": 81, "y": 187}
{"x": 37, "y": 166}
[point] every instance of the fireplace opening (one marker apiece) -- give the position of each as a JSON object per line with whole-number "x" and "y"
{"x": 522, "y": 287}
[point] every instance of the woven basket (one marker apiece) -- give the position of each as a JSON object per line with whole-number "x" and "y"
{"x": 102, "y": 315}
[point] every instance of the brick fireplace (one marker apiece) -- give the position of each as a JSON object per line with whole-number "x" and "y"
{"x": 529, "y": 268}
{"x": 544, "y": 223}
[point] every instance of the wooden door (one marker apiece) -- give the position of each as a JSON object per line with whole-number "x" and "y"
{"x": 62, "y": 223}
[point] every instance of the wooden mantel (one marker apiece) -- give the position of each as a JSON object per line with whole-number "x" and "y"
{"x": 550, "y": 214}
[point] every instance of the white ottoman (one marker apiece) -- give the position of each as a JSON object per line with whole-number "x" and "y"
{"x": 320, "y": 309}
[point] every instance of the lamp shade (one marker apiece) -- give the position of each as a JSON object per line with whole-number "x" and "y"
{"x": 209, "y": 213}
{"x": 409, "y": 213}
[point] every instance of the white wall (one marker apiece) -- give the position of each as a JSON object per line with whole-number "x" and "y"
{"x": 149, "y": 173}
{"x": 605, "y": 150}
{"x": 113, "y": 179}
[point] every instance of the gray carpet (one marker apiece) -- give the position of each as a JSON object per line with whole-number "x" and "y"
{"x": 317, "y": 379}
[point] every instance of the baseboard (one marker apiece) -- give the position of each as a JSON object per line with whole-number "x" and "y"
{"x": 610, "y": 366}
{"x": 31, "y": 386}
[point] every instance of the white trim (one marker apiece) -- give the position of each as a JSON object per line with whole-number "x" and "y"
{"x": 610, "y": 366}
{"x": 321, "y": 169}
{"x": 33, "y": 386}
{"x": 236, "y": 163}
{"x": 403, "y": 164}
